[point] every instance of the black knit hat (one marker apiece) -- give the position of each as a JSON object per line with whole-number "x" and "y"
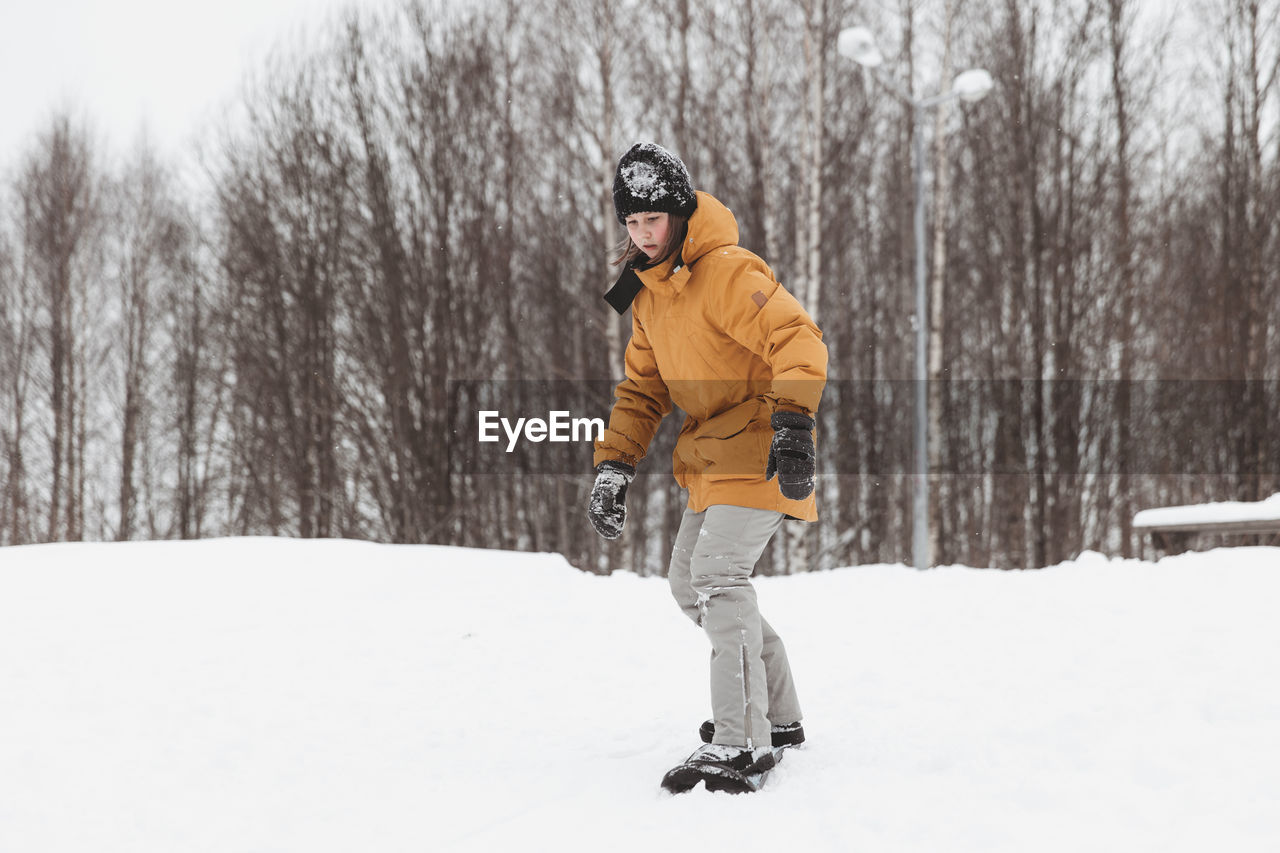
{"x": 651, "y": 178}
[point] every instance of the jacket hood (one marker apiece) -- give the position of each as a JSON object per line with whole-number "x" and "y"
{"x": 711, "y": 226}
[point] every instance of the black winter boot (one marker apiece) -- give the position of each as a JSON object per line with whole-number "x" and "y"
{"x": 739, "y": 758}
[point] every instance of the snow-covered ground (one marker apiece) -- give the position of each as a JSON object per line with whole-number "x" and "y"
{"x": 273, "y": 695}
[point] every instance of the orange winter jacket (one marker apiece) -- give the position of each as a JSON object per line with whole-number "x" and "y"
{"x": 720, "y": 338}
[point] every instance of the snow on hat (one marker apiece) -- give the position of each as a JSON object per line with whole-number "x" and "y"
{"x": 651, "y": 178}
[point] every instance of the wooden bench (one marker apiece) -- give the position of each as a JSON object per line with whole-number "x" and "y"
{"x": 1175, "y": 528}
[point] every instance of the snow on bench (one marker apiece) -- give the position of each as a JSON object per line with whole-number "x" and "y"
{"x": 1174, "y": 525}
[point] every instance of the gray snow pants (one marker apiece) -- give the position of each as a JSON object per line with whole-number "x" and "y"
{"x": 710, "y": 574}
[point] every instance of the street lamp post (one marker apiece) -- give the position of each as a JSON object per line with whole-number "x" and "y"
{"x": 858, "y": 44}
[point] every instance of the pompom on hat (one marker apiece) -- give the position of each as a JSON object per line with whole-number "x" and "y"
{"x": 651, "y": 178}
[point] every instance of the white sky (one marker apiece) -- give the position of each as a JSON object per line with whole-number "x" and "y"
{"x": 169, "y": 63}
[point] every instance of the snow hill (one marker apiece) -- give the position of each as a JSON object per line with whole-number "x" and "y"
{"x": 276, "y": 695}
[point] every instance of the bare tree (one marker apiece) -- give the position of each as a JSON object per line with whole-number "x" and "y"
{"x": 143, "y": 224}
{"x": 58, "y": 189}
{"x": 17, "y": 352}
{"x": 286, "y": 218}
{"x": 195, "y": 378}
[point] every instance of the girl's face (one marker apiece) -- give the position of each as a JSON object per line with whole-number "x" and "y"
{"x": 648, "y": 231}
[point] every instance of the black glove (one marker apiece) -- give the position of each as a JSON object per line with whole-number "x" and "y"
{"x": 791, "y": 456}
{"x": 608, "y": 507}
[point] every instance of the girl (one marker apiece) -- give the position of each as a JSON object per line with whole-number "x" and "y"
{"x": 714, "y": 333}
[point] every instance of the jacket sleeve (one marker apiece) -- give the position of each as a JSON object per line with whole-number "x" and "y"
{"x": 759, "y": 313}
{"x": 642, "y": 400}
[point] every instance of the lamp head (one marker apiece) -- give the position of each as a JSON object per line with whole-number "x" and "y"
{"x": 973, "y": 85}
{"x": 858, "y": 44}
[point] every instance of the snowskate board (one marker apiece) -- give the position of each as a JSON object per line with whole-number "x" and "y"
{"x": 716, "y": 776}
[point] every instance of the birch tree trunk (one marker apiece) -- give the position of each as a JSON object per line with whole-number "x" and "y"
{"x": 815, "y": 61}
{"x": 937, "y": 300}
{"x": 1116, "y": 35}
{"x": 604, "y": 60}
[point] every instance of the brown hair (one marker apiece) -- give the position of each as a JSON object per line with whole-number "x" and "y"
{"x": 677, "y": 230}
